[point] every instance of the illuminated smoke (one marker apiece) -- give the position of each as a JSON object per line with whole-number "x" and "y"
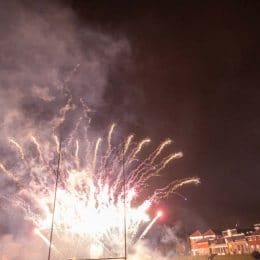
{"x": 38, "y": 76}
{"x": 90, "y": 204}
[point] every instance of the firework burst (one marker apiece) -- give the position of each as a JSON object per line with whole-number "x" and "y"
{"x": 98, "y": 183}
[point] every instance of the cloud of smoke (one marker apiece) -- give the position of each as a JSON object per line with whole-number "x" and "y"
{"x": 44, "y": 53}
{"x": 22, "y": 249}
{"x": 163, "y": 243}
{"x": 47, "y": 58}
{"x": 143, "y": 251}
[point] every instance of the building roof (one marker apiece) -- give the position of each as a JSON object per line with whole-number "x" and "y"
{"x": 236, "y": 238}
{"x": 209, "y": 233}
{"x": 196, "y": 234}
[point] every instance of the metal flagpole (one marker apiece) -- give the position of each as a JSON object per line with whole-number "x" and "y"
{"x": 55, "y": 195}
{"x": 124, "y": 200}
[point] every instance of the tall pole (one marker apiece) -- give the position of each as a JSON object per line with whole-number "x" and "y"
{"x": 55, "y": 195}
{"x": 124, "y": 200}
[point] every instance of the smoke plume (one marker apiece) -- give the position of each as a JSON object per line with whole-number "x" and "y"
{"x": 47, "y": 59}
{"x": 51, "y": 65}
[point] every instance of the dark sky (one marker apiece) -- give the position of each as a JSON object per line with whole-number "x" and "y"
{"x": 194, "y": 77}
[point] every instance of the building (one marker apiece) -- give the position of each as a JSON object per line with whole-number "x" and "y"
{"x": 230, "y": 241}
{"x": 253, "y": 239}
{"x": 236, "y": 242}
{"x": 196, "y": 248}
{"x": 200, "y": 242}
{"x": 218, "y": 246}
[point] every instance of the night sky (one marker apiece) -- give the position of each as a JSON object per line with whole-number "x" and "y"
{"x": 193, "y": 75}
{"x": 187, "y": 70}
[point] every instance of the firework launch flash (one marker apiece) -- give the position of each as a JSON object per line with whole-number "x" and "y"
{"x": 90, "y": 204}
{"x": 158, "y": 215}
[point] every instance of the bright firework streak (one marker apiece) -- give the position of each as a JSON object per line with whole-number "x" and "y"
{"x": 159, "y": 214}
{"x": 90, "y": 200}
{"x": 45, "y": 240}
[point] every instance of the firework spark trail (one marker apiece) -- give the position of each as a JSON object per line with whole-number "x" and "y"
{"x": 90, "y": 198}
{"x": 77, "y": 154}
{"x": 160, "y": 149}
{"x": 57, "y": 143}
{"x": 6, "y": 172}
{"x": 61, "y": 116}
{"x": 110, "y": 137}
{"x": 95, "y": 152}
{"x": 128, "y": 143}
{"x": 146, "y": 170}
{"x": 139, "y": 148}
{"x": 34, "y": 140}
{"x": 46, "y": 241}
{"x": 159, "y": 214}
{"x": 172, "y": 187}
{"x": 17, "y": 146}
{"x": 146, "y": 176}
{"x": 107, "y": 155}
